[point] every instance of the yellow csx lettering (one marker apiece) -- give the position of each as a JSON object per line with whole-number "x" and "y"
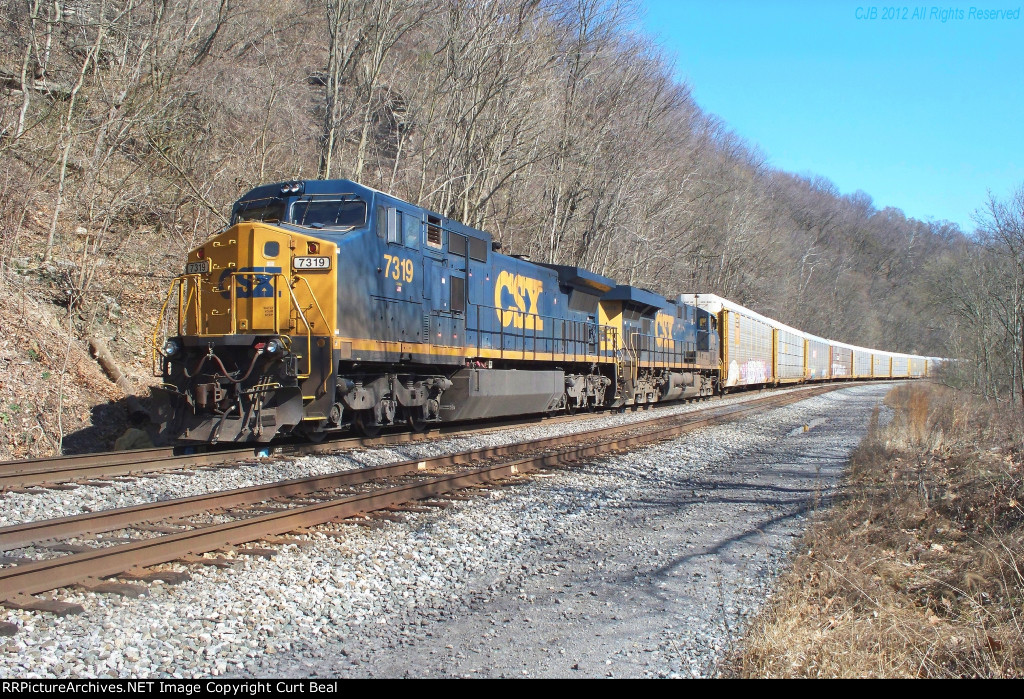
{"x": 516, "y": 298}
{"x": 664, "y": 323}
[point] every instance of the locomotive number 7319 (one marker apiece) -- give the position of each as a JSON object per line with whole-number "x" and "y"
{"x": 311, "y": 262}
{"x": 398, "y": 268}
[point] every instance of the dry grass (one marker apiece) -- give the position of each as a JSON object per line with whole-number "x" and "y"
{"x": 916, "y": 570}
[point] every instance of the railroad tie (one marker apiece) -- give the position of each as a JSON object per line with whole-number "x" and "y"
{"x": 112, "y": 587}
{"x": 38, "y": 604}
{"x": 69, "y": 548}
{"x": 215, "y": 562}
{"x": 168, "y": 577}
{"x": 367, "y": 523}
{"x": 287, "y": 541}
{"x": 157, "y": 528}
{"x": 14, "y": 560}
{"x": 257, "y": 552}
{"x": 335, "y": 534}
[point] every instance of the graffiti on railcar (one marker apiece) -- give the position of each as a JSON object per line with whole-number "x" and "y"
{"x": 753, "y": 371}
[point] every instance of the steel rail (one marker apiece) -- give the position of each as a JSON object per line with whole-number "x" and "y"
{"x": 40, "y": 576}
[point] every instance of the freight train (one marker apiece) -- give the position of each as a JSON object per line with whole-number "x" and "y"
{"x": 326, "y": 305}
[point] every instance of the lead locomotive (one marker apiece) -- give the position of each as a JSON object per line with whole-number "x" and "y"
{"x": 327, "y": 305}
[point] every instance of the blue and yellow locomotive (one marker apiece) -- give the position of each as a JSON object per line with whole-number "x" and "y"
{"x": 327, "y": 305}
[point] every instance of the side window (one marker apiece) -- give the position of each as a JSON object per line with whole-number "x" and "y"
{"x": 458, "y": 294}
{"x": 381, "y": 222}
{"x": 434, "y": 231}
{"x": 412, "y": 224}
{"x": 457, "y": 244}
{"x": 394, "y": 226}
{"x": 478, "y": 249}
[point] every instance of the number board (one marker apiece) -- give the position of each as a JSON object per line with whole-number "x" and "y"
{"x": 201, "y": 267}
{"x": 311, "y": 262}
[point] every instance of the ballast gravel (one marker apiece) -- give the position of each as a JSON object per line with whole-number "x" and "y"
{"x": 16, "y": 508}
{"x": 644, "y": 564}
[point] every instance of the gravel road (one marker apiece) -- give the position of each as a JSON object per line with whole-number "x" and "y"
{"x": 639, "y": 565}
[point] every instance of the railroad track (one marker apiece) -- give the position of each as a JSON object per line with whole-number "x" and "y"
{"x": 123, "y": 542}
{"x": 93, "y": 469}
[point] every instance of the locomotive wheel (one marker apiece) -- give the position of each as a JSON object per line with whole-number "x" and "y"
{"x": 367, "y": 423}
{"x": 315, "y": 437}
{"x": 417, "y": 423}
{"x": 570, "y": 406}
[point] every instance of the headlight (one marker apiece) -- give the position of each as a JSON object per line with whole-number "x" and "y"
{"x": 171, "y": 348}
{"x": 275, "y": 346}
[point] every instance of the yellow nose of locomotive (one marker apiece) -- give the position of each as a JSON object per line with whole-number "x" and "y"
{"x": 250, "y": 355}
{"x": 256, "y": 279}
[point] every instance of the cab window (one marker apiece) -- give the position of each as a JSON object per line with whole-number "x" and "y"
{"x": 329, "y": 213}
{"x": 412, "y": 227}
{"x": 260, "y": 210}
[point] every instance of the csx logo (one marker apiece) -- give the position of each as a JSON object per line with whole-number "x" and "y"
{"x": 515, "y": 297}
{"x": 249, "y": 286}
{"x": 664, "y": 323}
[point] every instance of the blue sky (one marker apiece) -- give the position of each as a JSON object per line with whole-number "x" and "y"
{"x": 923, "y": 115}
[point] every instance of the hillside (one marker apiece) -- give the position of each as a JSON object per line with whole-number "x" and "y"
{"x": 128, "y": 127}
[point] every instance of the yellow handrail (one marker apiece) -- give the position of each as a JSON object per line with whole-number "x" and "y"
{"x": 185, "y": 306}
{"x": 154, "y": 349}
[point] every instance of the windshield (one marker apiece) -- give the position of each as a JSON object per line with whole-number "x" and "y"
{"x": 260, "y": 210}
{"x": 329, "y": 213}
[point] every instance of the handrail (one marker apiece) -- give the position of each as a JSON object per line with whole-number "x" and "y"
{"x": 316, "y": 302}
{"x": 154, "y": 349}
{"x": 661, "y": 352}
{"x": 527, "y": 330}
{"x": 185, "y": 306}
{"x": 309, "y": 327}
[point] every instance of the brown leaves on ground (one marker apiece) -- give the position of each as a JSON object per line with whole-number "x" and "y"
{"x": 916, "y": 570}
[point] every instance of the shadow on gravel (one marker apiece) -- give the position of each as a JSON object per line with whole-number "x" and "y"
{"x": 787, "y": 502}
{"x": 758, "y": 529}
{"x": 109, "y": 421}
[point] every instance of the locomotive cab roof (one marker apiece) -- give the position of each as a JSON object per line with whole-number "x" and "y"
{"x": 287, "y": 204}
